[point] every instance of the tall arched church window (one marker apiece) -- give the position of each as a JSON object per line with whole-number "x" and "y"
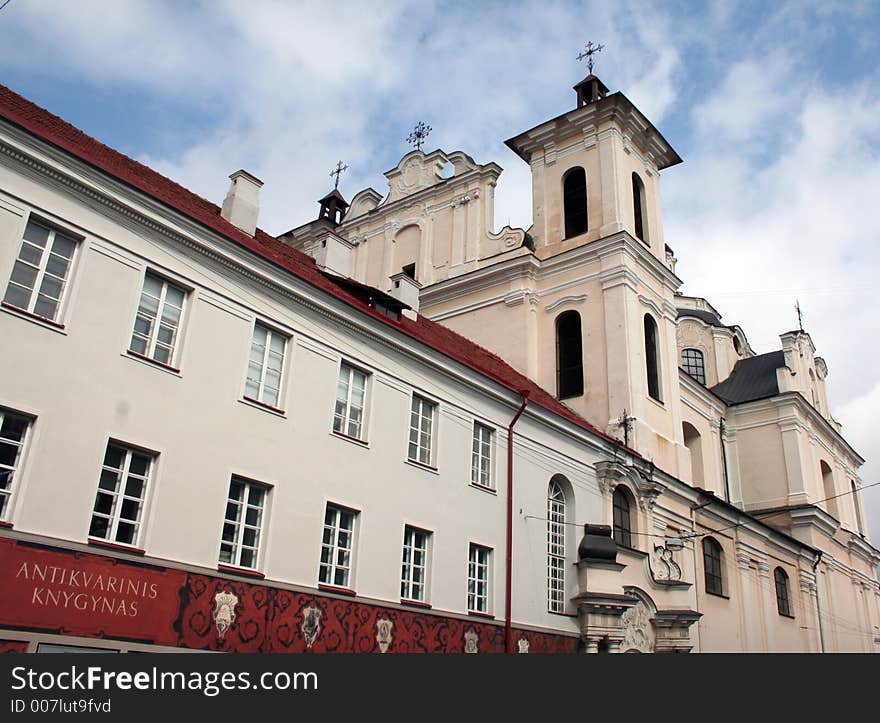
{"x": 828, "y": 488}
{"x": 692, "y": 363}
{"x": 652, "y": 360}
{"x": 555, "y": 548}
{"x": 574, "y": 197}
{"x": 694, "y": 443}
{"x": 569, "y": 356}
{"x": 783, "y": 603}
{"x": 622, "y": 518}
{"x": 639, "y": 210}
{"x": 712, "y": 566}
{"x": 856, "y": 506}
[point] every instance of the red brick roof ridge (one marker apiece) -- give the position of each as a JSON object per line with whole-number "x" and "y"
{"x": 55, "y": 130}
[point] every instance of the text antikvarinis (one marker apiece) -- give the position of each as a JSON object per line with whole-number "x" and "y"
{"x": 76, "y": 589}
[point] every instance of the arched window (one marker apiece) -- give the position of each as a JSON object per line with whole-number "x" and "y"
{"x": 622, "y": 518}
{"x": 694, "y": 443}
{"x": 555, "y": 548}
{"x": 782, "y": 601}
{"x": 569, "y": 356}
{"x": 828, "y": 488}
{"x": 652, "y": 361}
{"x": 712, "y": 566}
{"x": 639, "y": 215}
{"x": 856, "y": 506}
{"x": 574, "y": 197}
{"x": 692, "y": 363}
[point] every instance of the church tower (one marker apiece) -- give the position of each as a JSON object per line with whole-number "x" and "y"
{"x": 583, "y": 302}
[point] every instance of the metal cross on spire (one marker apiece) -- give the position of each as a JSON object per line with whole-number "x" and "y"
{"x": 417, "y": 137}
{"x": 797, "y": 308}
{"x": 340, "y": 167}
{"x": 588, "y": 54}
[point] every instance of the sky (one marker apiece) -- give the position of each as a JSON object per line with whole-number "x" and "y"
{"x": 772, "y": 105}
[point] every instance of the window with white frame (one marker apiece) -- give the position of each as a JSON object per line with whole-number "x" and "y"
{"x": 421, "y": 430}
{"x": 265, "y": 365}
{"x": 414, "y": 570}
{"x": 337, "y": 546}
{"x": 555, "y": 548}
{"x": 478, "y": 579}
{"x": 40, "y": 273}
{"x": 351, "y": 394}
{"x": 481, "y": 455}
{"x": 242, "y": 527}
{"x": 13, "y": 432}
{"x": 122, "y": 489}
{"x": 158, "y": 319}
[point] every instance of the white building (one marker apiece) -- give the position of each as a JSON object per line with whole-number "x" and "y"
{"x": 211, "y": 440}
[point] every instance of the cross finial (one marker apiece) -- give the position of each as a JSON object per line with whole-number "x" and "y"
{"x": 417, "y": 137}
{"x": 588, "y": 54}
{"x": 340, "y": 167}
{"x": 797, "y": 308}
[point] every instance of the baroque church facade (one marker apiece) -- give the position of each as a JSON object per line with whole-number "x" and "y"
{"x": 393, "y": 429}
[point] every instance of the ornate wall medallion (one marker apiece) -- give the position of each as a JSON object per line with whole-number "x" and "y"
{"x": 522, "y": 645}
{"x": 383, "y": 633}
{"x": 224, "y": 611}
{"x": 471, "y": 642}
{"x": 311, "y": 627}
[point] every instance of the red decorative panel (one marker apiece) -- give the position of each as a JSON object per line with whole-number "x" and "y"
{"x": 79, "y": 593}
{"x": 13, "y": 646}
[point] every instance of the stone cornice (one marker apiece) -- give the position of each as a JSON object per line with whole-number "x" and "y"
{"x": 805, "y": 408}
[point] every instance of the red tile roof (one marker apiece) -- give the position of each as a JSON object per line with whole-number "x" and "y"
{"x": 52, "y": 129}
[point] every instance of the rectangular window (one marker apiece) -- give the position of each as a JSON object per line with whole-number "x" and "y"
{"x": 242, "y": 527}
{"x": 122, "y": 489}
{"x": 481, "y": 455}
{"x": 40, "y": 273}
{"x": 478, "y": 579}
{"x": 414, "y": 571}
{"x": 158, "y": 319}
{"x": 421, "y": 430}
{"x": 264, "y": 366}
{"x": 351, "y": 392}
{"x": 337, "y": 545}
{"x": 13, "y": 431}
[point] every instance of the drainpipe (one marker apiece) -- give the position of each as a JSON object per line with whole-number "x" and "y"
{"x": 508, "y": 593}
{"x": 818, "y": 612}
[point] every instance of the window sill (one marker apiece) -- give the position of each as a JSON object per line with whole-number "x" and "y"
{"x": 263, "y": 407}
{"x": 152, "y": 362}
{"x": 243, "y": 571}
{"x": 421, "y": 465}
{"x": 5, "y": 525}
{"x": 415, "y": 604}
{"x": 783, "y": 615}
{"x": 655, "y": 401}
{"x": 97, "y": 542}
{"x": 483, "y": 488}
{"x": 476, "y": 614}
{"x": 561, "y": 614}
{"x": 33, "y": 318}
{"x": 354, "y": 440}
{"x": 337, "y": 590}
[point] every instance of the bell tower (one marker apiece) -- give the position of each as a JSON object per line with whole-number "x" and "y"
{"x": 596, "y": 214}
